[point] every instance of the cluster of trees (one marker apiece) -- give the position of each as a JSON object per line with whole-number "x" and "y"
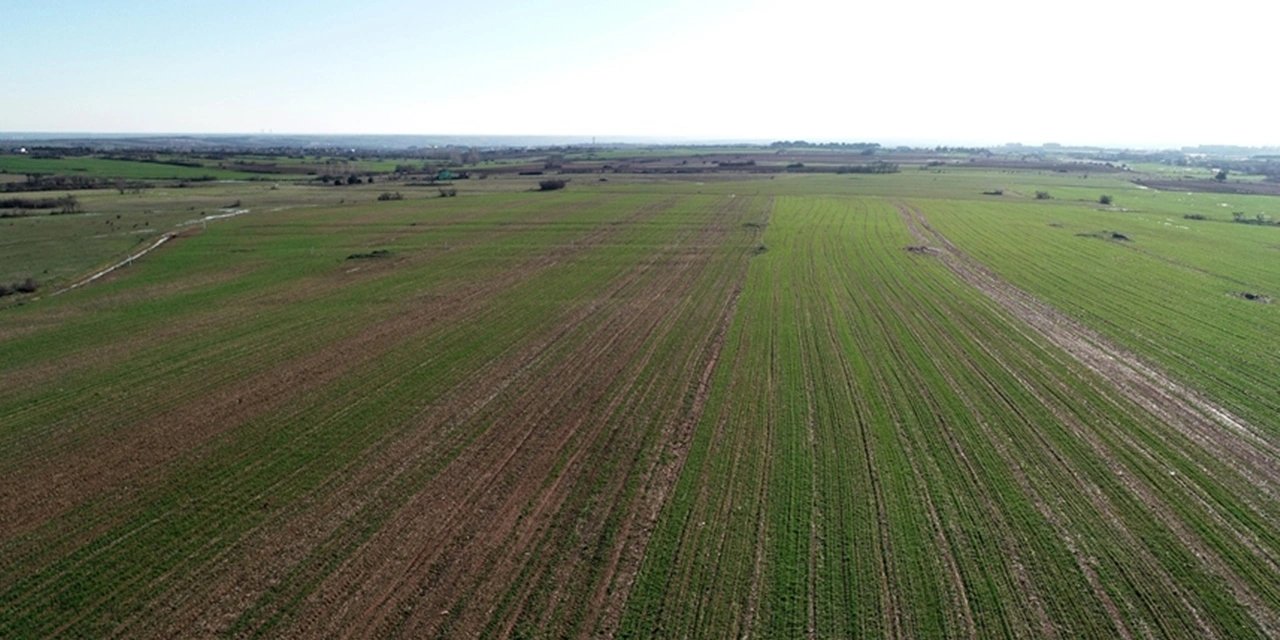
{"x": 874, "y": 167}
{"x": 338, "y": 181}
{"x": 1260, "y": 218}
{"x": 39, "y": 182}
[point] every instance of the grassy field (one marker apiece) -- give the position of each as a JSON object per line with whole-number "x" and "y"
{"x": 789, "y": 406}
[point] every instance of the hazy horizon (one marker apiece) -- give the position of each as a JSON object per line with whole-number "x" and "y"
{"x": 1138, "y": 75}
{"x": 479, "y": 139}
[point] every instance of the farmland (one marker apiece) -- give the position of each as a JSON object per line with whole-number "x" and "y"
{"x": 111, "y": 168}
{"x": 649, "y": 406}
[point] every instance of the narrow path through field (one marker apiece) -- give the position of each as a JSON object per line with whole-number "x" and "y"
{"x": 167, "y": 236}
{"x": 127, "y": 261}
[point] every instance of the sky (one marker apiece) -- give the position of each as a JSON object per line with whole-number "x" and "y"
{"x": 981, "y": 72}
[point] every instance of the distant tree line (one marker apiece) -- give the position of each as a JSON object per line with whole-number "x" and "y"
{"x": 40, "y": 182}
{"x": 804, "y": 144}
{"x": 1260, "y": 218}
{"x": 874, "y": 167}
{"x": 978, "y": 151}
{"x": 151, "y": 159}
{"x": 64, "y": 204}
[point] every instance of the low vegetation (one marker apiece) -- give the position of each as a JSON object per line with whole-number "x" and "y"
{"x": 29, "y": 285}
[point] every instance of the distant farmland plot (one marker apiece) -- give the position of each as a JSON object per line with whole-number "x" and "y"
{"x": 805, "y": 406}
{"x": 108, "y": 168}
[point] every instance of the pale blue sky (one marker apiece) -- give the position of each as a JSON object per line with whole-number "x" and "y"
{"x": 985, "y": 72}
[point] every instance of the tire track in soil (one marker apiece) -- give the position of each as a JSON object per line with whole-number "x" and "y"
{"x": 1146, "y": 387}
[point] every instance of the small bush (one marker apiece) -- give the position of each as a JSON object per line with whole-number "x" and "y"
{"x": 387, "y": 195}
{"x": 448, "y": 193}
{"x": 1104, "y": 200}
{"x": 1195, "y": 216}
{"x": 25, "y": 286}
{"x": 1043, "y": 195}
{"x": 551, "y": 185}
{"x": 376, "y": 253}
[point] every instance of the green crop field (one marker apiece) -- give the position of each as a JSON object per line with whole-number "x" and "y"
{"x": 652, "y": 406}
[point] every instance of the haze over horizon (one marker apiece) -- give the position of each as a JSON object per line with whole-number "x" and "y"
{"x": 1140, "y": 74}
